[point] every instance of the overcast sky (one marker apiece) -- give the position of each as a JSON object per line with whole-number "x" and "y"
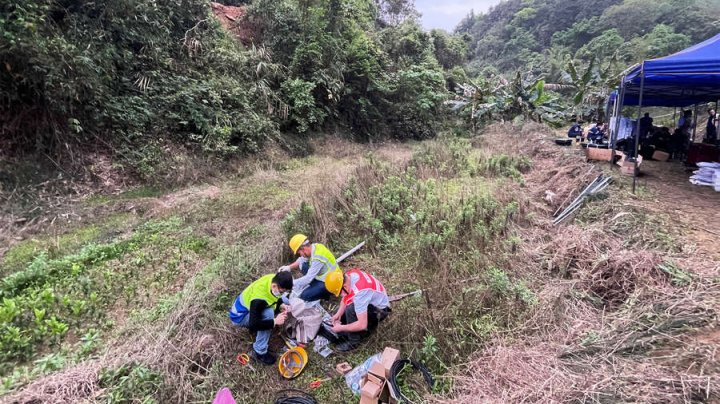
{"x": 447, "y": 14}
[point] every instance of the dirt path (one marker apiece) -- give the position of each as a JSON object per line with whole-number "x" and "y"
{"x": 695, "y": 208}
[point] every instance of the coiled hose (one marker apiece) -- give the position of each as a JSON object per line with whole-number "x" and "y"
{"x": 398, "y": 366}
{"x": 293, "y": 396}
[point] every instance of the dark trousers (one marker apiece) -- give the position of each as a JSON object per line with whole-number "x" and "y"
{"x": 375, "y": 316}
{"x": 316, "y": 290}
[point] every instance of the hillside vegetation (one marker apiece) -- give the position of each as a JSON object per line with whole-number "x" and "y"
{"x": 538, "y": 35}
{"x": 155, "y": 156}
{"x": 148, "y": 82}
{"x": 130, "y": 304}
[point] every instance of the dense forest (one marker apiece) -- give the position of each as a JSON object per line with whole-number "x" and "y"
{"x": 143, "y": 78}
{"x": 147, "y": 81}
{"x": 539, "y": 35}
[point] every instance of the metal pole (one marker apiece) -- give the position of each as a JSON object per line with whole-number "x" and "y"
{"x": 695, "y": 118}
{"x": 674, "y": 118}
{"x": 637, "y": 132}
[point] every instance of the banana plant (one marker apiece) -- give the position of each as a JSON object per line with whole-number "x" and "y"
{"x": 592, "y": 86}
{"x": 498, "y": 97}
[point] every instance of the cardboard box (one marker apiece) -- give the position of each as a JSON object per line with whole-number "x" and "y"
{"x": 388, "y": 357}
{"x": 661, "y": 156}
{"x": 371, "y": 390}
{"x": 593, "y": 153}
{"x": 343, "y": 368}
{"x": 368, "y": 400}
{"x": 377, "y": 370}
{"x": 628, "y": 169}
{"x": 374, "y": 385}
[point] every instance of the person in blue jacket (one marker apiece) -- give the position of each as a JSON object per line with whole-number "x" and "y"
{"x": 576, "y": 131}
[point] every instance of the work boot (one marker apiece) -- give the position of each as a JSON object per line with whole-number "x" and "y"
{"x": 329, "y": 335}
{"x": 267, "y": 358}
{"x": 347, "y": 346}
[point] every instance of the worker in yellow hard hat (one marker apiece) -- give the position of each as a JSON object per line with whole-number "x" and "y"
{"x": 315, "y": 261}
{"x": 364, "y": 304}
{"x": 259, "y": 308}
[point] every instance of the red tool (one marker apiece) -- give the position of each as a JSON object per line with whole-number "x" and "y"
{"x": 244, "y": 360}
{"x": 316, "y": 383}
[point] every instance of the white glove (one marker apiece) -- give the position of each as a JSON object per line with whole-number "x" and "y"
{"x": 284, "y": 268}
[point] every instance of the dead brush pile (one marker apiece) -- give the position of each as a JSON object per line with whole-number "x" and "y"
{"x": 619, "y": 320}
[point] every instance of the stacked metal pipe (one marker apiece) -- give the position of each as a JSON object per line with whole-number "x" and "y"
{"x": 598, "y": 185}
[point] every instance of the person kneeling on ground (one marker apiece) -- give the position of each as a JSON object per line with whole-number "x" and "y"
{"x": 596, "y": 134}
{"x": 315, "y": 262}
{"x": 576, "y": 131}
{"x": 364, "y": 304}
{"x": 254, "y": 310}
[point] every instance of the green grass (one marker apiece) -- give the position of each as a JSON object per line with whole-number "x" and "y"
{"x": 58, "y": 295}
{"x": 23, "y": 253}
{"x": 421, "y": 228}
{"x": 140, "y": 192}
{"x": 242, "y": 201}
{"x": 296, "y": 163}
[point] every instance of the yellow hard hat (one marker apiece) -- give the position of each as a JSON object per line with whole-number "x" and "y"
{"x": 334, "y": 282}
{"x": 292, "y": 362}
{"x": 296, "y": 241}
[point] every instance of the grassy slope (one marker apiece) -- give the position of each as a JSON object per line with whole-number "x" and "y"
{"x": 164, "y": 246}
{"x": 186, "y": 255}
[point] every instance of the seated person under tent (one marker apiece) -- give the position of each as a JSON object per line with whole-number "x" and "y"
{"x": 596, "y": 134}
{"x": 576, "y": 131}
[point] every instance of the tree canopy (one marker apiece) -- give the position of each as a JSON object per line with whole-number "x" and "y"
{"x": 136, "y": 75}
{"x": 532, "y": 34}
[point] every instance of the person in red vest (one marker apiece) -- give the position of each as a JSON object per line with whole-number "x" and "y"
{"x": 363, "y": 305}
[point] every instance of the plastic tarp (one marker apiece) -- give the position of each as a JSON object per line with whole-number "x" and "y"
{"x": 688, "y": 77}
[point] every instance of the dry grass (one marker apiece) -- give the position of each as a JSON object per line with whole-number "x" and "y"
{"x": 611, "y": 326}
{"x": 192, "y": 345}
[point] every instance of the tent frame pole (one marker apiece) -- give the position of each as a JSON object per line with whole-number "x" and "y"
{"x": 694, "y": 123}
{"x": 637, "y": 126}
{"x": 619, "y": 101}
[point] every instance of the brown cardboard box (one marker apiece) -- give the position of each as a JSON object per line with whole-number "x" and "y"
{"x": 371, "y": 390}
{"x": 388, "y": 357}
{"x": 593, "y": 153}
{"x": 660, "y": 156}
{"x": 374, "y": 384}
{"x": 378, "y": 370}
{"x": 343, "y": 368}
{"x": 628, "y": 167}
{"x": 368, "y": 400}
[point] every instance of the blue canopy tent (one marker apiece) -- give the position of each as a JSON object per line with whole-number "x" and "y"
{"x": 688, "y": 77}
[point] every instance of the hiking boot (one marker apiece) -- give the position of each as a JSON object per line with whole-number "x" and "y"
{"x": 329, "y": 335}
{"x": 267, "y": 358}
{"x": 347, "y": 346}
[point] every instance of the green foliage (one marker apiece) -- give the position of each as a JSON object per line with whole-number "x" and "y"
{"x": 678, "y": 276}
{"x": 144, "y": 78}
{"x": 505, "y": 165}
{"x": 303, "y": 111}
{"x": 533, "y": 35}
{"x": 448, "y": 157}
{"x": 41, "y": 303}
{"x": 485, "y": 99}
{"x": 450, "y": 50}
{"x": 130, "y": 81}
{"x": 300, "y": 220}
{"x": 130, "y": 384}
